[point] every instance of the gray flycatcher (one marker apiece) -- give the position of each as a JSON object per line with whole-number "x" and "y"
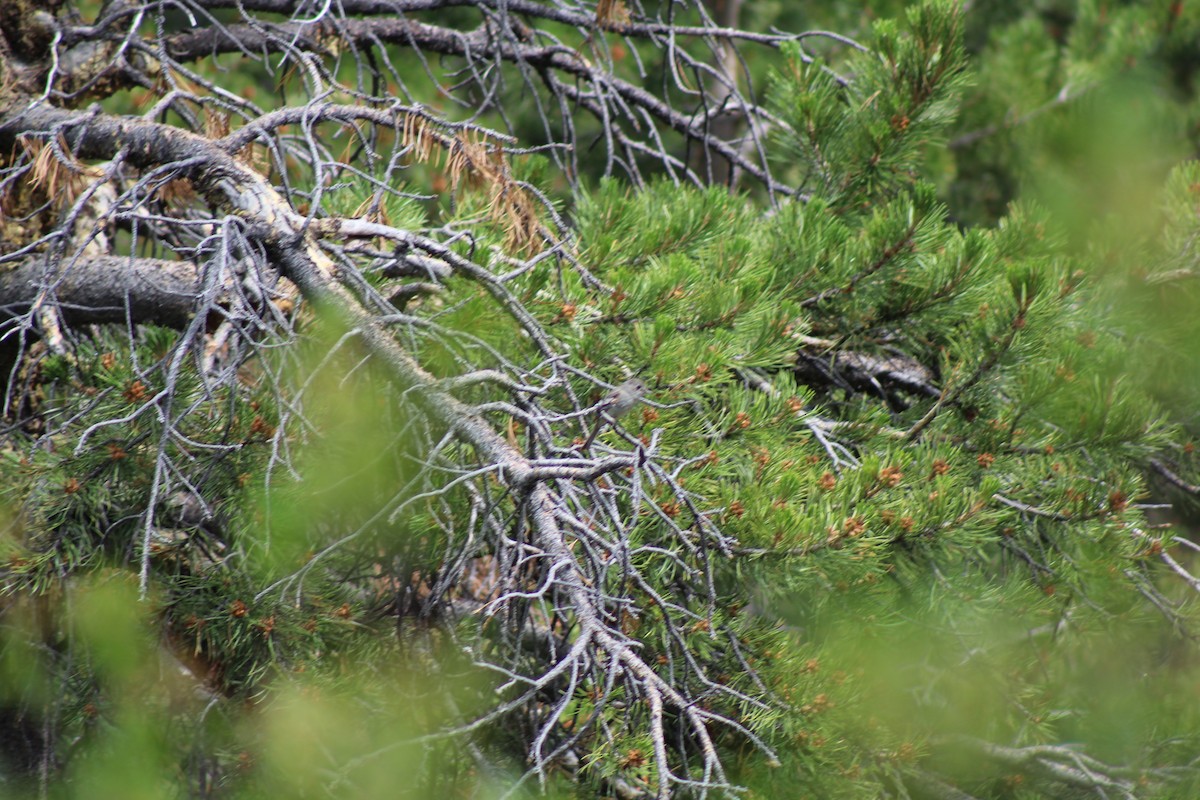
{"x": 620, "y": 402}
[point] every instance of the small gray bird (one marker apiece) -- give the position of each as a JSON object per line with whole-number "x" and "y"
{"x": 620, "y": 402}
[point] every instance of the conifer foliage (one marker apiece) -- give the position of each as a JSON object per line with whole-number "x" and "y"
{"x": 310, "y": 312}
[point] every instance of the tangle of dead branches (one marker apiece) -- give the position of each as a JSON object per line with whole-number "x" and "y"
{"x": 210, "y": 213}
